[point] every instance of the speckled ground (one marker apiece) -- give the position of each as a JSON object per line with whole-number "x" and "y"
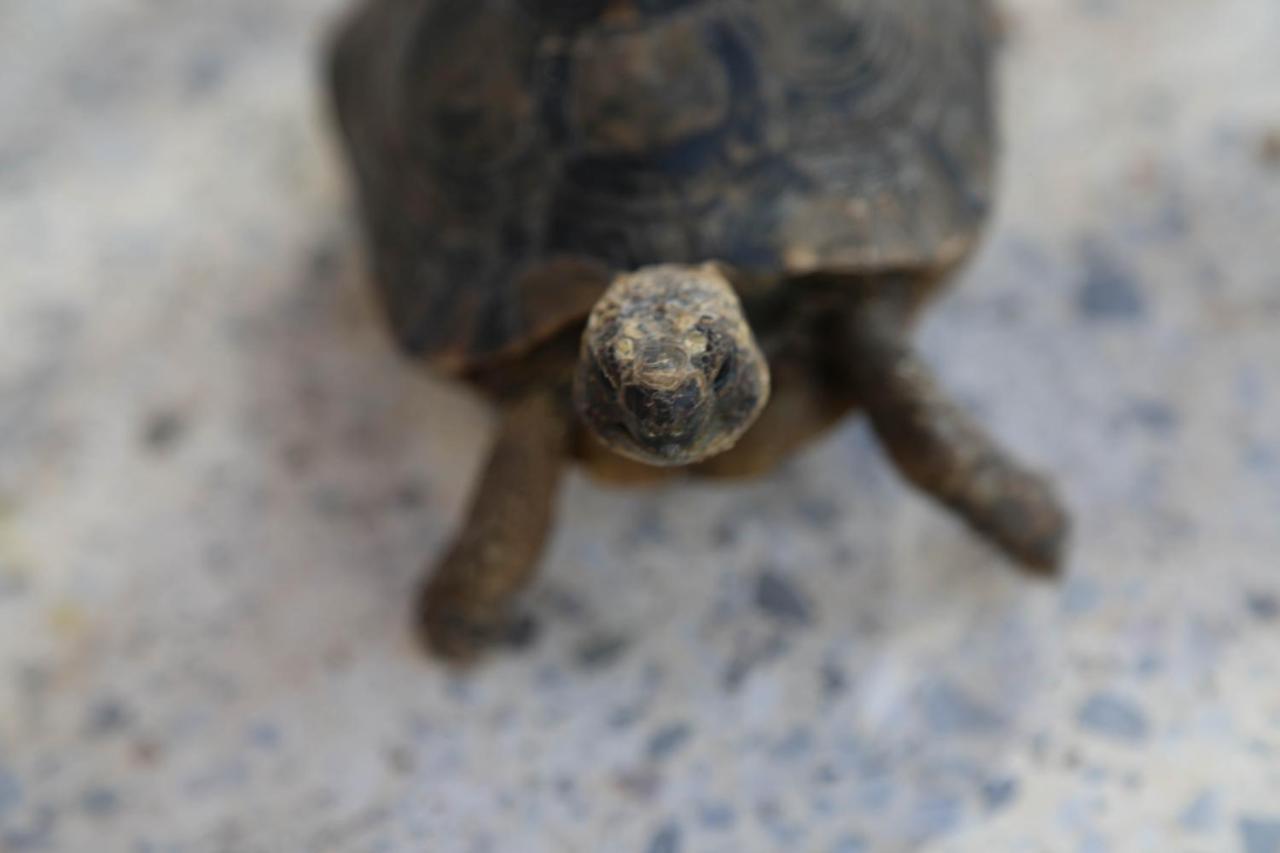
{"x": 218, "y": 485}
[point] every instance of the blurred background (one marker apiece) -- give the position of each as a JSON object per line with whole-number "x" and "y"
{"x": 219, "y": 484}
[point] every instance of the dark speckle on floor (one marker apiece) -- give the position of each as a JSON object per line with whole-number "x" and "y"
{"x": 410, "y": 496}
{"x": 1269, "y": 148}
{"x": 36, "y": 833}
{"x": 716, "y": 815}
{"x": 12, "y": 583}
{"x": 724, "y": 533}
{"x": 998, "y": 793}
{"x": 749, "y": 655}
{"x": 264, "y": 735}
{"x": 1080, "y": 596}
{"x": 779, "y": 598}
{"x": 322, "y": 262}
{"x": 821, "y": 512}
{"x": 1201, "y": 814}
{"x": 949, "y": 710}
{"x": 936, "y": 814}
{"x": 667, "y": 740}
{"x": 163, "y": 430}
{"x": 562, "y": 603}
{"x": 99, "y": 801}
{"x": 107, "y": 717}
{"x": 10, "y": 793}
{"x": 1113, "y": 716}
{"x": 825, "y": 774}
{"x": 1262, "y": 605}
{"x": 401, "y": 760}
{"x": 1155, "y": 415}
{"x": 205, "y": 72}
{"x": 849, "y": 844}
{"x": 1110, "y": 289}
{"x": 521, "y": 632}
{"x": 600, "y": 650}
{"x": 647, "y": 527}
{"x": 666, "y": 840}
{"x": 794, "y": 745}
{"x": 833, "y": 678}
{"x": 1097, "y": 7}
{"x": 641, "y": 784}
{"x": 627, "y": 715}
{"x": 1259, "y": 834}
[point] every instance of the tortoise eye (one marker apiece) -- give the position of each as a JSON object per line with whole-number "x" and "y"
{"x": 724, "y": 374}
{"x": 636, "y": 400}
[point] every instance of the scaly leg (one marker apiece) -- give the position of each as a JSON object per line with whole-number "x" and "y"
{"x": 465, "y": 604}
{"x": 940, "y": 448}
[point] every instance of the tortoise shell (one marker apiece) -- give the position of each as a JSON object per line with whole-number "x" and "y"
{"x": 511, "y": 154}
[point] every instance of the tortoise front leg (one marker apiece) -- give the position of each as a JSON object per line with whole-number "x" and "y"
{"x": 465, "y": 604}
{"x": 940, "y": 448}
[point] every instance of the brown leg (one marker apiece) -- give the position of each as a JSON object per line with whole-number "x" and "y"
{"x": 465, "y": 604}
{"x": 941, "y": 449}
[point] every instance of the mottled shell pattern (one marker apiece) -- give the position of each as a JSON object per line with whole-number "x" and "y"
{"x": 511, "y": 154}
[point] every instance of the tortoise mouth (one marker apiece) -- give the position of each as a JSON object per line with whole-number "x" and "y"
{"x": 661, "y": 450}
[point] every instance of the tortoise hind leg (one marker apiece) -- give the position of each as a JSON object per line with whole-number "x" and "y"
{"x": 940, "y": 448}
{"x": 465, "y": 604}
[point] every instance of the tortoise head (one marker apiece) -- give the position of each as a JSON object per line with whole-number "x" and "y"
{"x": 669, "y": 372}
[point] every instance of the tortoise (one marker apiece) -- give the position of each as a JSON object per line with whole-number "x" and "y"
{"x": 675, "y": 234}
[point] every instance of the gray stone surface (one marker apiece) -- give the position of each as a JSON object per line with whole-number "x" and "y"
{"x": 218, "y": 485}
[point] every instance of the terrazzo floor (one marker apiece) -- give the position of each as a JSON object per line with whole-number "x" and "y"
{"x": 218, "y": 486}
